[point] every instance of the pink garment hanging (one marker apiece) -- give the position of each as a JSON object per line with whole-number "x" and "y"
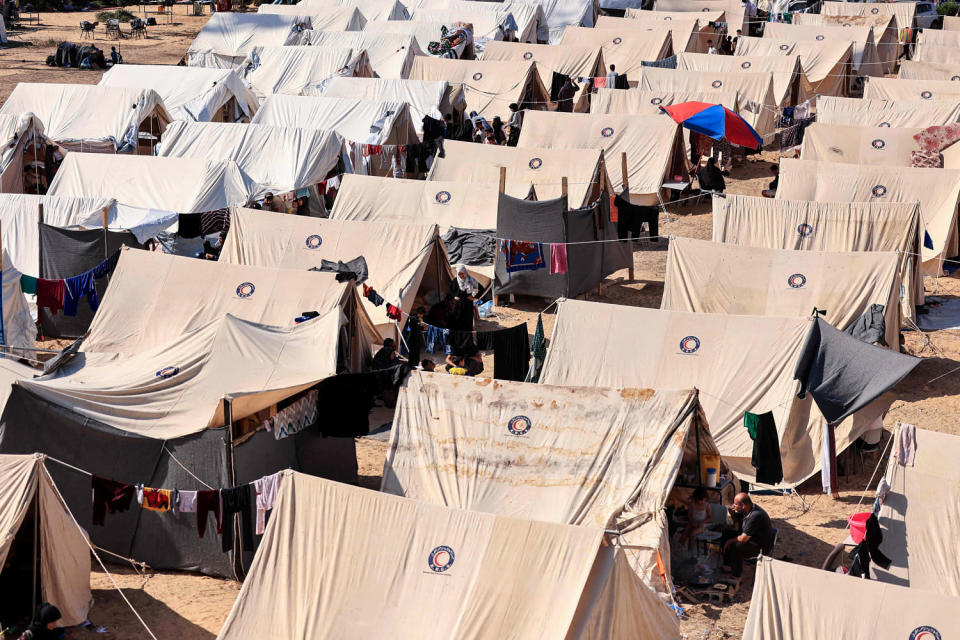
{"x": 558, "y": 258}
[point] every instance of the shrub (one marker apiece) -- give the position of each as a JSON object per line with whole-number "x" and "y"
{"x": 120, "y": 14}
{"x": 948, "y": 8}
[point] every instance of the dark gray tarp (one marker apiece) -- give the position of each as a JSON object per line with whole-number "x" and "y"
{"x": 844, "y": 374}
{"x": 871, "y": 327}
{"x": 65, "y": 253}
{"x": 164, "y": 541}
{"x": 472, "y": 247}
{"x": 616, "y": 253}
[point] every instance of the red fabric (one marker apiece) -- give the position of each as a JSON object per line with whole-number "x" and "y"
{"x": 614, "y": 213}
{"x": 393, "y": 312}
{"x": 682, "y": 111}
{"x": 600, "y": 83}
{"x": 50, "y": 294}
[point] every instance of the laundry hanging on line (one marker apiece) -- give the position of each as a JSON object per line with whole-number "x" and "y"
{"x": 66, "y": 293}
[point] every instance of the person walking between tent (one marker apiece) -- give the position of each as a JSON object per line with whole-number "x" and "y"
{"x": 755, "y": 534}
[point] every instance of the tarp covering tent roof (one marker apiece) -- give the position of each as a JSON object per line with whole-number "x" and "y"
{"x": 739, "y": 363}
{"x": 913, "y": 90}
{"x": 883, "y": 146}
{"x": 592, "y": 457}
{"x": 424, "y": 32}
{"x": 278, "y": 159}
{"x": 486, "y": 18}
{"x": 227, "y": 37}
{"x": 64, "y": 554}
{"x": 713, "y": 277}
{"x": 886, "y": 113}
{"x": 648, "y": 102}
{"x": 790, "y": 84}
{"x": 826, "y": 226}
{"x": 624, "y": 49}
{"x": 866, "y": 61}
{"x": 756, "y": 98}
{"x": 883, "y": 26}
{"x": 399, "y": 256}
{"x": 81, "y": 117}
{"x": 918, "y": 536}
{"x": 684, "y": 34}
{"x": 390, "y": 54}
{"x": 371, "y": 9}
{"x": 651, "y": 143}
{"x": 423, "y": 97}
{"x": 828, "y": 65}
{"x": 569, "y": 60}
{"x": 300, "y": 70}
{"x": 542, "y": 167}
{"x": 488, "y": 87}
{"x": 914, "y": 70}
{"x": 184, "y": 185}
{"x": 322, "y": 17}
{"x": 793, "y": 602}
{"x": 443, "y": 571}
{"x": 376, "y": 122}
{"x": 936, "y": 190}
{"x": 19, "y": 133}
{"x": 904, "y": 11}
{"x": 189, "y": 93}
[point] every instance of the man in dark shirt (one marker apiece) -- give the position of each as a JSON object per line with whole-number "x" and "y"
{"x": 755, "y": 534}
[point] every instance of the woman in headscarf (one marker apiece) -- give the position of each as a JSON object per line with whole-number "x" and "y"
{"x": 44, "y": 626}
{"x": 464, "y": 283}
{"x": 711, "y": 178}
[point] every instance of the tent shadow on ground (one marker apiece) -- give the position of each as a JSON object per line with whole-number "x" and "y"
{"x": 110, "y": 611}
{"x": 918, "y": 383}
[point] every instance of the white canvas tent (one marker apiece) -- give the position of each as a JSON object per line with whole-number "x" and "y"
{"x": 685, "y": 34}
{"x": 490, "y": 20}
{"x": 732, "y": 9}
{"x": 402, "y": 259}
{"x": 939, "y": 38}
{"x": 371, "y": 9}
{"x": 793, "y": 602}
{"x": 195, "y": 94}
{"x": 739, "y": 363}
{"x": 790, "y": 84}
{"x": 881, "y": 146}
{"x": 651, "y": 143}
{"x": 278, "y": 159}
{"x": 826, "y": 226}
{"x": 300, "y": 71}
{"x": 936, "y": 190}
{"x": 918, "y": 518}
{"x": 951, "y": 23}
{"x": 64, "y": 553}
{"x": 886, "y": 113}
{"x": 569, "y": 60}
{"x": 626, "y": 49}
{"x": 488, "y": 87}
{"x": 714, "y": 277}
{"x": 756, "y": 98}
{"x": 913, "y": 70}
{"x": 544, "y": 168}
{"x": 19, "y": 328}
{"x": 423, "y": 32}
{"x": 227, "y": 37}
{"x": 866, "y": 60}
{"x": 828, "y": 65}
{"x": 320, "y": 17}
{"x": 883, "y": 26}
{"x": 375, "y": 122}
{"x": 560, "y": 14}
{"x": 390, "y": 55}
{"x": 904, "y": 12}
{"x": 183, "y": 185}
{"x": 570, "y": 455}
{"x": 21, "y": 137}
{"x": 423, "y": 97}
{"x": 444, "y": 573}
{"x": 648, "y": 102}
{"x": 81, "y": 117}
{"x": 913, "y": 90}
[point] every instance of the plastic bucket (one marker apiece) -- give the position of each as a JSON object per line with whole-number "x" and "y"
{"x": 858, "y": 526}
{"x": 711, "y": 477}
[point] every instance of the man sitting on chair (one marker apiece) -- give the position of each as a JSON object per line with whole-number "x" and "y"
{"x": 754, "y": 534}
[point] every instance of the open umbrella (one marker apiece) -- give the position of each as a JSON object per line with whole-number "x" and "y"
{"x": 714, "y": 121}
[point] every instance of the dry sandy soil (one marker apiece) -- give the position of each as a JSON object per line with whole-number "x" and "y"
{"x": 191, "y": 607}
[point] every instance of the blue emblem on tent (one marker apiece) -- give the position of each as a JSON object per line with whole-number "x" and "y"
{"x": 440, "y": 559}
{"x": 925, "y": 633}
{"x": 878, "y": 144}
{"x": 879, "y": 191}
{"x": 442, "y": 197}
{"x": 820, "y": 37}
{"x": 477, "y": 75}
{"x": 168, "y": 372}
{"x": 606, "y": 132}
{"x": 955, "y": 78}
{"x": 797, "y": 280}
{"x": 245, "y": 290}
{"x": 886, "y": 125}
{"x": 745, "y": 64}
{"x": 690, "y": 344}
{"x": 926, "y": 95}
{"x": 716, "y": 84}
{"x": 804, "y": 230}
{"x": 617, "y": 40}
{"x": 314, "y": 241}
{"x": 656, "y": 101}
{"x": 527, "y": 55}
{"x": 784, "y": 47}
{"x": 519, "y": 425}
{"x": 535, "y": 163}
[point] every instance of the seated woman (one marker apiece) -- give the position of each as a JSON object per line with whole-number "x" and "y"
{"x": 698, "y": 517}
{"x": 711, "y": 178}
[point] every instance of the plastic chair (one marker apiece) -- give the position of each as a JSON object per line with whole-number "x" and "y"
{"x": 87, "y": 29}
{"x": 113, "y": 28}
{"x": 138, "y": 28}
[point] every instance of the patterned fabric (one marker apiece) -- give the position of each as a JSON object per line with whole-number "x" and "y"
{"x": 930, "y": 142}
{"x": 523, "y": 256}
{"x": 295, "y": 418}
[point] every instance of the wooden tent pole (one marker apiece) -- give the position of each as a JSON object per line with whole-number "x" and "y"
{"x": 40, "y": 213}
{"x": 503, "y": 188}
{"x": 832, "y": 451}
{"x": 626, "y": 191}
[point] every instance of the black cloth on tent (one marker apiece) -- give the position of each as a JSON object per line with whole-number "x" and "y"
{"x": 557, "y": 81}
{"x": 766, "y": 447}
{"x": 621, "y": 82}
{"x": 869, "y": 550}
{"x": 511, "y": 353}
{"x": 65, "y": 253}
{"x": 632, "y": 217}
{"x": 471, "y": 246}
{"x": 413, "y": 342}
{"x": 871, "y": 327}
{"x": 188, "y": 225}
{"x": 355, "y": 269}
{"x": 237, "y": 500}
{"x": 344, "y": 401}
{"x": 666, "y": 63}
{"x": 843, "y": 374}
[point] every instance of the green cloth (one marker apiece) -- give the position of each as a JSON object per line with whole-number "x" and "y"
{"x": 28, "y": 284}
{"x": 539, "y": 350}
{"x": 751, "y": 421}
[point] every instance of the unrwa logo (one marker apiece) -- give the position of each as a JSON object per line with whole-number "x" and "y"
{"x": 797, "y": 280}
{"x": 690, "y": 344}
{"x": 519, "y": 425}
{"x": 245, "y": 289}
{"x": 313, "y": 241}
{"x": 925, "y": 633}
{"x": 440, "y": 559}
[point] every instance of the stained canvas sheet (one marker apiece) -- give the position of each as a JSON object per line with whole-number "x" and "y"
{"x": 444, "y": 571}
{"x": 919, "y": 530}
{"x": 914, "y": 90}
{"x": 806, "y": 225}
{"x": 828, "y": 65}
{"x": 862, "y": 112}
{"x": 882, "y": 146}
{"x": 739, "y": 363}
{"x": 937, "y": 191}
{"x": 713, "y": 277}
{"x": 189, "y": 93}
{"x": 883, "y": 27}
{"x": 391, "y": 55}
{"x": 542, "y": 167}
{"x": 624, "y": 48}
{"x": 227, "y": 37}
{"x": 904, "y": 11}
{"x": 793, "y": 602}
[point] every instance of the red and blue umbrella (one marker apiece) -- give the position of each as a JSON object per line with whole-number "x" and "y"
{"x": 714, "y": 121}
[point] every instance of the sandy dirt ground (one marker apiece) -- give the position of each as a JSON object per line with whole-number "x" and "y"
{"x": 193, "y": 607}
